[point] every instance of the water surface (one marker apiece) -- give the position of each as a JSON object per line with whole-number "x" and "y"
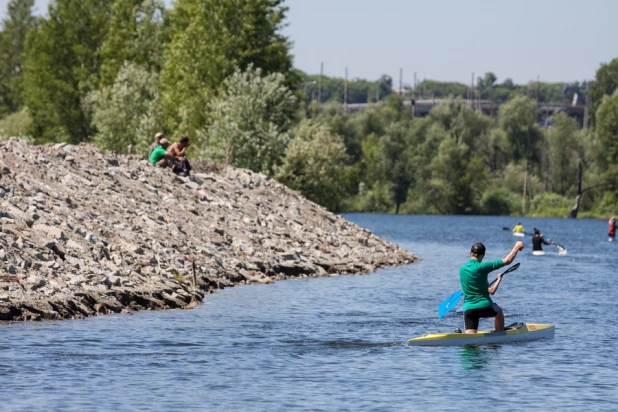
{"x": 340, "y": 343}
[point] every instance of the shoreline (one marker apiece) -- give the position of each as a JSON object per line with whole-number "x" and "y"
{"x": 85, "y": 233}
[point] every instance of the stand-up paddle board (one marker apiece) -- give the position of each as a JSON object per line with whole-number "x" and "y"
{"x": 518, "y": 332}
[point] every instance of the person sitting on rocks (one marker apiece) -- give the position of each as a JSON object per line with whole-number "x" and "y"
{"x": 157, "y": 142}
{"x": 178, "y": 150}
{"x": 161, "y": 157}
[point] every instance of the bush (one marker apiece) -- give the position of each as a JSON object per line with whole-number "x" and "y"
{"x": 606, "y": 206}
{"x": 314, "y": 164}
{"x": 126, "y": 112}
{"x": 550, "y": 205}
{"x": 16, "y": 125}
{"x": 250, "y": 121}
{"x": 376, "y": 200}
{"x": 500, "y": 202}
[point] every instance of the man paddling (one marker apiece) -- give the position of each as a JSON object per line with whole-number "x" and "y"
{"x": 474, "y": 284}
{"x": 538, "y": 240}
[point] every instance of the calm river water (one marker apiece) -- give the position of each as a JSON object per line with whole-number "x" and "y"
{"x": 338, "y": 344}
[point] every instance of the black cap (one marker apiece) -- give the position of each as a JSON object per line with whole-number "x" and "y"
{"x": 478, "y": 248}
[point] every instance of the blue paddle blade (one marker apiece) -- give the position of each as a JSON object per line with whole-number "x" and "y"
{"x": 449, "y": 304}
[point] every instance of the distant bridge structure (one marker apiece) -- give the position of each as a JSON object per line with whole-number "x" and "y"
{"x": 422, "y": 107}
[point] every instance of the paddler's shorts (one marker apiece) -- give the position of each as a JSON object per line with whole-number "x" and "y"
{"x": 472, "y": 316}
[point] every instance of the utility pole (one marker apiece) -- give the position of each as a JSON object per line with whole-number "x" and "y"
{"x": 320, "y": 85}
{"x": 413, "y": 102}
{"x": 471, "y": 89}
{"x": 586, "y": 113}
{"x": 401, "y": 81}
{"x": 378, "y": 91}
{"x": 345, "y": 91}
{"x": 478, "y": 96}
{"x": 523, "y": 199}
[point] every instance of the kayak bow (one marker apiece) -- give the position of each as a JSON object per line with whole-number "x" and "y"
{"x": 519, "y": 332}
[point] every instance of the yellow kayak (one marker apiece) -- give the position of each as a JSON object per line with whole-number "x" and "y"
{"x": 518, "y": 332}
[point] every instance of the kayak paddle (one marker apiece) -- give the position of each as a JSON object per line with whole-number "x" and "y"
{"x": 450, "y": 302}
{"x": 562, "y": 251}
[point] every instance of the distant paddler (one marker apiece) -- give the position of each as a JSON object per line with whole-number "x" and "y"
{"x": 519, "y": 230}
{"x": 538, "y": 241}
{"x": 611, "y": 232}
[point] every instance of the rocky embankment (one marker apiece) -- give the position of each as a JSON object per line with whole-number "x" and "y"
{"x": 83, "y": 232}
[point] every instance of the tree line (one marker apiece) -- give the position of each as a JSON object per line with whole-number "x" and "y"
{"x": 486, "y": 87}
{"x": 115, "y": 72}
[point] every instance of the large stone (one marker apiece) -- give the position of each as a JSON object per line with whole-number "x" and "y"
{"x": 81, "y": 229}
{"x": 50, "y": 231}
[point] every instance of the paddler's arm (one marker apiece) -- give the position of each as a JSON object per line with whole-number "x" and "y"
{"x": 493, "y": 288}
{"x": 519, "y": 245}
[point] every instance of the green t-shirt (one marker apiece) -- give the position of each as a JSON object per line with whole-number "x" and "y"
{"x": 157, "y": 154}
{"x": 473, "y": 278}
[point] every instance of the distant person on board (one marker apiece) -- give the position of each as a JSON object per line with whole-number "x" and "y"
{"x": 538, "y": 240}
{"x": 518, "y": 228}
{"x": 476, "y": 290}
{"x": 611, "y": 232}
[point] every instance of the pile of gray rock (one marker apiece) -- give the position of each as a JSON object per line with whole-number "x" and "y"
{"x": 85, "y": 232}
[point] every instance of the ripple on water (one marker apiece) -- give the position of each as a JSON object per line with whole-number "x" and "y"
{"x": 341, "y": 343}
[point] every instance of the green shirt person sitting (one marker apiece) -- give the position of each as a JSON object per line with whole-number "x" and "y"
{"x": 160, "y": 156}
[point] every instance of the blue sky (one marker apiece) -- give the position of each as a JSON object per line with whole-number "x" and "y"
{"x": 556, "y": 40}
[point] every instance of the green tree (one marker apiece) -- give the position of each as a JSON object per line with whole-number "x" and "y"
{"x": 437, "y": 89}
{"x": 371, "y": 164}
{"x": 518, "y": 119}
{"x": 563, "y": 152}
{"x": 15, "y": 27}
{"x": 61, "y": 66}
{"x": 314, "y": 164}
{"x": 359, "y": 90}
{"x": 607, "y": 130}
{"x": 461, "y": 122}
{"x": 137, "y": 33}
{"x": 126, "y": 112}
{"x": 486, "y": 85}
{"x": 209, "y": 40}
{"x": 250, "y": 121}
{"x": 396, "y": 162}
{"x": 384, "y": 87}
{"x": 492, "y": 149}
{"x": 605, "y": 83}
{"x": 458, "y": 179}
